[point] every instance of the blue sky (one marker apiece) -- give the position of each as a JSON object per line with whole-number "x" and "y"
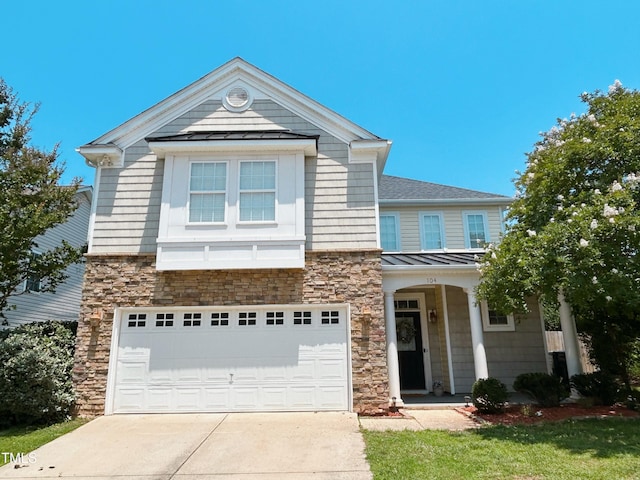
{"x": 462, "y": 88}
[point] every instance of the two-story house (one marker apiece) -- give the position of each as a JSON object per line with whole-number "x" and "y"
{"x": 236, "y": 263}
{"x": 33, "y": 305}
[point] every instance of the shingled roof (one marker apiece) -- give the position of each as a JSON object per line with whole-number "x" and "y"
{"x": 397, "y": 188}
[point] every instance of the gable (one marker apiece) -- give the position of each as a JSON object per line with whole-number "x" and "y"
{"x": 209, "y": 97}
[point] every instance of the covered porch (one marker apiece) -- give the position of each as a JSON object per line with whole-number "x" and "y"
{"x": 441, "y": 339}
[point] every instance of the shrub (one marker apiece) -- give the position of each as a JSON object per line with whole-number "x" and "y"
{"x": 35, "y": 380}
{"x": 489, "y": 395}
{"x": 632, "y": 401}
{"x": 602, "y": 387}
{"x": 547, "y": 390}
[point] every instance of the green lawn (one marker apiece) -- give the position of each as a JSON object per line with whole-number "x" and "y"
{"x": 26, "y": 439}
{"x": 579, "y": 449}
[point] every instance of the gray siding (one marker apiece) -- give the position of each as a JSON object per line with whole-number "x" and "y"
{"x": 460, "y": 331}
{"x": 453, "y": 219}
{"x": 65, "y": 303}
{"x": 340, "y": 209}
{"x": 508, "y": 353}
{"x": 128, "y": 204}
{"x": 511, "y": 353}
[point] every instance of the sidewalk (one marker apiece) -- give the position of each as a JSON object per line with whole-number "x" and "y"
{"x": 421, "y": 419}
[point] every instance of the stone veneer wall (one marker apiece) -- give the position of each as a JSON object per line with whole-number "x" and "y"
{"x": 329, "y": 277}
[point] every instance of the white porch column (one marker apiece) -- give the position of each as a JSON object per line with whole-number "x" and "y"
{"x": 477, "y": 337}
{"x": 392, "y": 349}
{"x": 570, "y": 337}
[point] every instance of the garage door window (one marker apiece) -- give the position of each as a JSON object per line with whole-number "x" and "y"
{"x": 220, "y": 319}
{"x": 302, "y": 318}
{"x": 164, "y": 320}
{"x": 137, "y": 320}
{"x": 275, "y": 318}
{"x": 330, "y": 318}
{"x": 247, "y": 318}
{"x": 192, "y": 320}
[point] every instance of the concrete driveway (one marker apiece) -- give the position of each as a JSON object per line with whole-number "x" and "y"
{"x": 265, "y": 446}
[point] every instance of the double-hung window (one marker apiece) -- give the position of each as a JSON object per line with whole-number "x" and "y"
{"x": 475, "y": 225}
{"x": 432, "y": 231}
{"x": 258, "y": 191}
{"x": 207, "y": 192}
{"x": 389, "y": 235}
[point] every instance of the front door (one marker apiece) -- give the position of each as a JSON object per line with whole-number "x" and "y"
{"x": 410, "y": 353}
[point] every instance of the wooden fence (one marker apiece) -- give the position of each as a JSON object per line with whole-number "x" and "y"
{"x": 555, "y": 343}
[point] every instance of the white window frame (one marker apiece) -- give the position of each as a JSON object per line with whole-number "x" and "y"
{"x": 467, "y": 239}
{"x": 396, "y": 219}
{"x": 226, "y": 193}
{"x": 423, "y": 237}
{"x": 274, "y": 190}
{"x": 24, "y": 284}
{"x": 488, "y": 327}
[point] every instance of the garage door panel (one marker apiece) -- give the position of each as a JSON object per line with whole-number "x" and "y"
{"x": 277, "y": 366}
{"x": 331, "y": 397}
{"x": 187, "y": 370}
{"x": 304, "y": 370}
{"x": 274, "y": 398}
{"x": 187, "y": 399}
{"x": 214, "y": 375}
{"x": 159, "y": 399}
{"x": 132, "y": 399}
{"x": 216, "y": 399}
{"x": 132, "y": 372}
{"x": 331, "y": 369}
{"x": 246, "y": 398}
{"x": 161, "y": 375}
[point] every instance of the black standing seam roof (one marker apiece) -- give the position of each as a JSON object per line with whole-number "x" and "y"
{"x": 439, "y": 259}
{"x": 233, "y": 135}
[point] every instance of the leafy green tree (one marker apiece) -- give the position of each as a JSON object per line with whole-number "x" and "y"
{"x": 31, "y": 202}
{"x": 574, "y": 226}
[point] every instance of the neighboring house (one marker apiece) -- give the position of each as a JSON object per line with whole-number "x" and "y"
{"x": 235, "y": 264}
{"x": 64, "y": 304}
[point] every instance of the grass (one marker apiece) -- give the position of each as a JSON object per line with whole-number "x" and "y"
{"x": 577, "y": 449}
{"x": 26, "y": 439}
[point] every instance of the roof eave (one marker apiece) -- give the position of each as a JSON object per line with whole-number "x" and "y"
{"x": 162, "y": 148}
{"x": 503, "y": 201}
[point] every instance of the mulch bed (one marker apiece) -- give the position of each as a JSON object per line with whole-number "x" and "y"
{"x": 517, "y": 415}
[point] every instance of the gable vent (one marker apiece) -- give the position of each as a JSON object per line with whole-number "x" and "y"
{"x": 237, "y": 99}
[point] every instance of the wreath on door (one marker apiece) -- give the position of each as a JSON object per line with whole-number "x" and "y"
{"x": 406, "y": 330}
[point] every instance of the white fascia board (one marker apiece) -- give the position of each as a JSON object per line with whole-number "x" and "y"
{"x": 145, "y": 123}
{"x": 431, "y": 270}
{"x": 445, "y": 202}
{"x": 161, "y": 149}
{"x": 104, "y": 155}
{"x": 370, "y": 151}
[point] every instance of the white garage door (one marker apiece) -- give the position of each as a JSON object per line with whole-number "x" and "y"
{"x": 271, "y": 358}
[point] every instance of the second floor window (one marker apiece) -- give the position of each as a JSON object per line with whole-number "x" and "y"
{"x": 33, "y": 283}
{"x": 432, "y": 231}
{"x": 257, "y": 191}
{"x": 389, "y": 232}
{"x": 475, "y": 229}
{"x": 207, "y": 192}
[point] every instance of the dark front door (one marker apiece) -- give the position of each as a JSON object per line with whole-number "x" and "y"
{"x": 410, "y": 355}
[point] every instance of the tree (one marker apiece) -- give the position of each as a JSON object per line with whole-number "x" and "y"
{"x": 31, "y": 202}
{"x": 574, "y": 226}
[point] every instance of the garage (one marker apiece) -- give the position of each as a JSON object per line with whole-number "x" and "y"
{"x": 230, "y": 359}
